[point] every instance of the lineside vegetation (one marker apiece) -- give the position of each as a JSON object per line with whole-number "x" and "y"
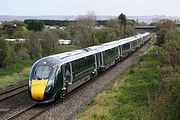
{"x": 150, "y": 89}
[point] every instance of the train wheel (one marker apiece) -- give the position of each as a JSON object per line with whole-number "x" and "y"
{"x": 93, "y": 76}
{"x": 63, "y": 93}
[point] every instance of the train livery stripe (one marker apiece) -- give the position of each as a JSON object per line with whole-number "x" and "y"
{"x": 38, "y": 89}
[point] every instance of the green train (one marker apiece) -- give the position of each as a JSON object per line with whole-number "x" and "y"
{"x": 57, "y": 75}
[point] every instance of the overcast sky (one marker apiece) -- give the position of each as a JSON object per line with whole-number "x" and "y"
{"x": 81, "y": 7}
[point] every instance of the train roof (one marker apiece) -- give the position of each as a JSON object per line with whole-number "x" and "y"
{"x": 65, "y": 57}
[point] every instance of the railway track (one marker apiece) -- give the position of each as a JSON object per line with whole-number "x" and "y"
{"x": 34, "y": 110}
{"x": 20, "y": 112}
{"x": 13, "y": 91}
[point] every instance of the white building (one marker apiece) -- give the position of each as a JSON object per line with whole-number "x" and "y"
{"x": 20, "y": 40}
{"x": 64, "y": 42}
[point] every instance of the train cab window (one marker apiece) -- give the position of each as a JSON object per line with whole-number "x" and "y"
{"x": 42, "y": 72}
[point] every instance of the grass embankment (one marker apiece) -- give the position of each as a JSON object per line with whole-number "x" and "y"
{"x": 130, "y": 96}
{"x": 14, "y": 73}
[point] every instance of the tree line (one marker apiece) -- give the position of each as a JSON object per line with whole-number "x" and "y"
{"x": 43, "y": 42}
{"x": 166, "y": 102}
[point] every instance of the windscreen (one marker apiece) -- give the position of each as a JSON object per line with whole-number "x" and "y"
{"x": 42, "y": 72}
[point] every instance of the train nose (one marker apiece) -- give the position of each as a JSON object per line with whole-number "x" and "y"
{"x": 38, "y": 88}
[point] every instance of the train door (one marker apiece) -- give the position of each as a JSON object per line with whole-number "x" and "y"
{"x": 102, "y": 59}
{"x": 68, "y": 73}
{"x": 98, "y": 59}
{"x": 119, "y": 52}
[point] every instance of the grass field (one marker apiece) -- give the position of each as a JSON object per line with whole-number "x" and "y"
{"x": 129, "y": 97}
{"x": 15, "y": 68}
{"x": 14, "y": 78}
{"x": 15, "y": 73}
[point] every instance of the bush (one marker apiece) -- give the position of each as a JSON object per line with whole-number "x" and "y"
{"x": 35, "y": 25}
{"x": 4, "y": 52}
{"x": 171, "y": 49}
{"x": 33, "y": 45}
{"x": 49, "y": 43}
{"x": 164, "y": 28}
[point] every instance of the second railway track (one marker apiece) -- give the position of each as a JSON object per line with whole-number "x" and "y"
{"x": 13, "y": 91}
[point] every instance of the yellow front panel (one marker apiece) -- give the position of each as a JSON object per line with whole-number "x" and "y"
{"x": 38, "y": 89}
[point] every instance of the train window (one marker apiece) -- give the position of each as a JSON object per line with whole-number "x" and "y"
{"x": 111, "y": 52}
{"x": 125, "y": 46}
{"x": 82, "y": 64}
{"x": 135, "y": 42}
{"x": 42, "y": 72}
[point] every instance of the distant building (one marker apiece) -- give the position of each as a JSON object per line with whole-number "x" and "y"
{"x": 51, "y": 27}
{"x": 177, "y": 23}
{"x": 54, "y": 27}
{"x": 20, "y": 40}
{"x": 99, "y": 27}
{"x": 62, "y": 28}
{"x": 65, "y": 42}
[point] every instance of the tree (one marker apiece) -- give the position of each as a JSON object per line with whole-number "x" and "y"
{"x": 94, "y": 40}
{"x": 122, "y": 21}
{"x": 171, "y": 48}
{"x": 4, "y": 52}
{"x": 33, "y": 44}
{"x": 9, "y": 29}
{"x": 19, "y": 23}
{"x": 20, "y": 33}
{"x": 14, "y": 29}
{"x": 130, "y": 28}
{"x": 107, "y": 35}
{"x": 83, "y": 28}
{"x": 35, "y": 25}
{"x": 64, "y": 34}
{"x": 1, "y": 32}
{"x": 49, "y": 42}
{"x": 112, "y": 23}
{"x": 163, "y": 27}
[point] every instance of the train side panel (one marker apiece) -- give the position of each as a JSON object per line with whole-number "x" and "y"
{"x": 82, "y": 71}
{"x": 110, "y": 57}
{"x": 125, "y": 49}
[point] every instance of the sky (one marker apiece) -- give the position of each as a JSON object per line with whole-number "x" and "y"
{"x": 82, "y": 7}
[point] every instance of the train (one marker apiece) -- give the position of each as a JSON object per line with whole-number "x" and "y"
{"x": 56, "y": 75}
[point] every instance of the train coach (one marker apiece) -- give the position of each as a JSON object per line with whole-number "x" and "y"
{"x": 56, "y": 75}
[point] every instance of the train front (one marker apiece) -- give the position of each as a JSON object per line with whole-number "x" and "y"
{"x": 41, "y": 81}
